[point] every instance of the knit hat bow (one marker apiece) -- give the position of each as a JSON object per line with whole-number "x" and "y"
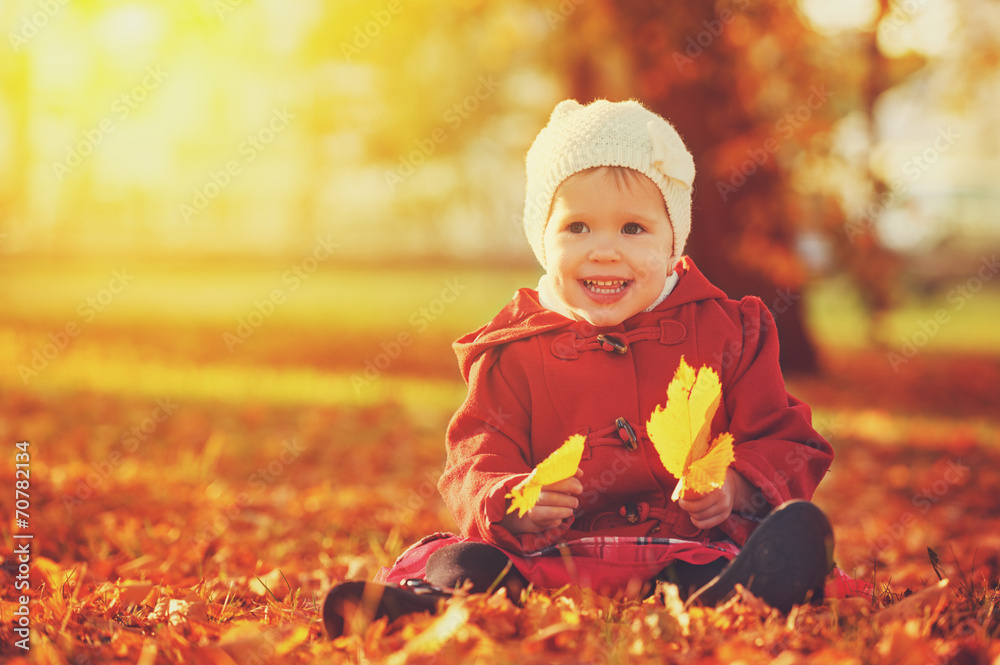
{"x": 676, "y": 164}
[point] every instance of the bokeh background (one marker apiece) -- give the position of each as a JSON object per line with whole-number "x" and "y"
{"x": 846, "y": 156}
{"x": 231, "y": 229}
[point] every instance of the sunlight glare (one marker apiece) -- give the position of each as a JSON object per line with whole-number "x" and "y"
{"x": 928, "y": 30}
{"x": 129, "y": 30}
{"x": 835, "y": 16}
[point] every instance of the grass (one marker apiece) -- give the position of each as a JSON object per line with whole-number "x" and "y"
{"x": 338, "y": 297}
{"x": 957, "y": 321}
{"x": 447, "y": 300}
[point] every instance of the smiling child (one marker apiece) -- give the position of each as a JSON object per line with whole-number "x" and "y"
{"x": 590, "y": 352}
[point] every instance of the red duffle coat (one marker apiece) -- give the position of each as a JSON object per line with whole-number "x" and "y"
{"x": 536, "y": 377}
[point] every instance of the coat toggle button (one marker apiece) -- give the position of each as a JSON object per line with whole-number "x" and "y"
{"x": 613, "y": 343}
{"x": 627, "y": 434}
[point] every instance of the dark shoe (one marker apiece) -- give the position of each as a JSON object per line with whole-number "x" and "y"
{"x": 784, "y": 562}
{"x": 690, "y": 577}
{"x": 357, "y": 601}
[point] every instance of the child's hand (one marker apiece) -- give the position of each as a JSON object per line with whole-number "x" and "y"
{"x": 714, "y": 508}
{"x": 555, "y": 505}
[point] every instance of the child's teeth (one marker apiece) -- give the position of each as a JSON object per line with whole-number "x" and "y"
{"x": 606, "y": 286}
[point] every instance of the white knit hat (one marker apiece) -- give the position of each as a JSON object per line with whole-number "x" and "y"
{"x": 607, "y": 133}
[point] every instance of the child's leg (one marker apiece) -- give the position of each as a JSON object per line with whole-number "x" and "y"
{"x": 477, "y": 563}
{"x": 785, "y": 560}
{"x": 357, "y": 602}
{"x": 689, "y": 577}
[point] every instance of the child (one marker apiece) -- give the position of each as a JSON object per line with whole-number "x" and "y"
{"x": 591, "y": 351}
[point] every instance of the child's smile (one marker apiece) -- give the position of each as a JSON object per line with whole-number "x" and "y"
{"x": 606, "y": 287}
{"x": 606, "y": 290}
{"x": 608, "y": 244}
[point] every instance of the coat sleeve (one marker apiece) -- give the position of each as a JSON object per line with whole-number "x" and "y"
{"x": 488, "y": 446}
{"x": 777, "y": 449}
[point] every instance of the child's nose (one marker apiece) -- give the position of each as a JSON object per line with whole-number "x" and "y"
{"x": 605, "y": 249}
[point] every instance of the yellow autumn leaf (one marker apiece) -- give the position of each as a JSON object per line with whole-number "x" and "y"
{"x": 709, "y": 472}
{"x": 560, "y": 465}
{"x": 680, "y": 431}
{"x": 445, "y": 628}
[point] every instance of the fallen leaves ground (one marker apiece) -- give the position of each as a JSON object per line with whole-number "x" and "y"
{"x": 212, "y": 535}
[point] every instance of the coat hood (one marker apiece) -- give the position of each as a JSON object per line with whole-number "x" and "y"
{"x": 525, "y": 317}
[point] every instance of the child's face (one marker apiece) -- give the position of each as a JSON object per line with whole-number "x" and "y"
{"x": 607, "y": 245}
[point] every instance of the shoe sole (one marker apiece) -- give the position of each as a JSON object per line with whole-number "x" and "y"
{"x": 355, "y": 604}
{"x": 784, "y": 562}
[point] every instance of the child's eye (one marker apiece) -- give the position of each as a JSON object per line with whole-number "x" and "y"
{"x": 576, "y": 227}
{"x": 632, "y": 229}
